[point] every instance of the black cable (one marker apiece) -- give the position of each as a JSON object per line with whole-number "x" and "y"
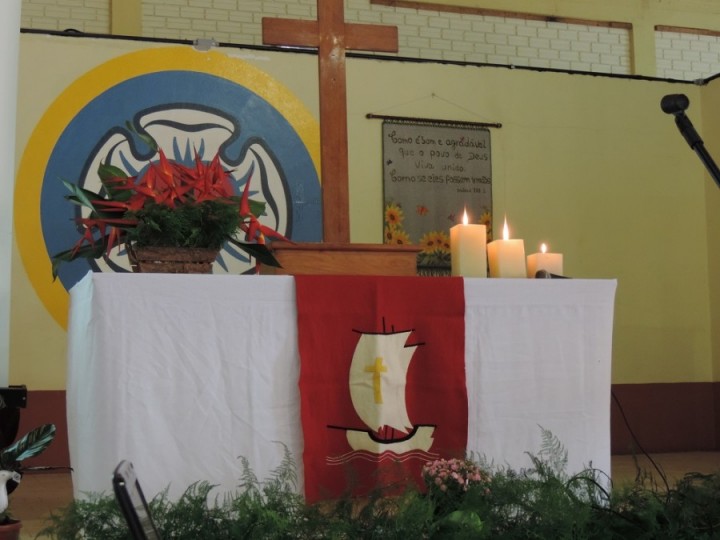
{"x": 637, "y": 442}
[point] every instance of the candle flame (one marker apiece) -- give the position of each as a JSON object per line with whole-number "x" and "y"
{"x": 543, "y": 248}
{"x": 465, "y": 217}
{"x": 506, "y": 231}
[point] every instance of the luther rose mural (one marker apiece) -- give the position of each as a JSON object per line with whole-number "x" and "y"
{"x": 192, "y": 104}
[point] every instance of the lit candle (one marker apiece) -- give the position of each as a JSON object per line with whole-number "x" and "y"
{"x": 467, "y": 249}
{"x": 506, "y": 256}
{"x": 550, "y": 262}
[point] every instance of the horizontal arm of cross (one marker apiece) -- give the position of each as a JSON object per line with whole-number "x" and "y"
{"x": 301, "y": 33}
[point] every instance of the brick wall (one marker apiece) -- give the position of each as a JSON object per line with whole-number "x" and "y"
{"x": 92, "y": 16}
{"x": 425, "y": 34}
{"x": 686, "y": 56}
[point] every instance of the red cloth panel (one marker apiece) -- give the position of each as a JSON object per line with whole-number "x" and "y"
{"x": 375, "y": 350}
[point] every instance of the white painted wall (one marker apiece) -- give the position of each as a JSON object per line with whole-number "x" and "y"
{"x": 9, "y": 53}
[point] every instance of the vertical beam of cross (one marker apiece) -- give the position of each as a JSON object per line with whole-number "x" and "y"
{"x": 332, "y": 37}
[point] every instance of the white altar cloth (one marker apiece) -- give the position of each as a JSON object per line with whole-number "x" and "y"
{"x": 185, "y": 374}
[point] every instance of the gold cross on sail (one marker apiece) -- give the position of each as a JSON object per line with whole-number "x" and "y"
{"x": 377, "y": 369}
{"x": 332, "y": 36}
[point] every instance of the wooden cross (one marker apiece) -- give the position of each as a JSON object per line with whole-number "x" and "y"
{"x": 332, "y": 36}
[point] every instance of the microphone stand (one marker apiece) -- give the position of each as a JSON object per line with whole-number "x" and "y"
{"x": 676, "y": 104}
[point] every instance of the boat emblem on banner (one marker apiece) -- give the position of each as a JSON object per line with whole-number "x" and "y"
{"x": 377, "y": 384}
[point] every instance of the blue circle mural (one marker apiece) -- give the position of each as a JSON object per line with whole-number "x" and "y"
{"x": 185, "y": 112}
{"x": 216, "y": 106}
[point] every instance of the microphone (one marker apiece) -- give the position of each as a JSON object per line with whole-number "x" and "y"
{"x": 674, "y": 103}
{"x": 544, "y": 274}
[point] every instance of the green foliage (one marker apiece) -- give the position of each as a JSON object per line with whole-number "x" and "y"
{"x": 688, "y": 510}
{"x": 541, "y": 502}
{"x": 694, "y": 504}
{"x": 29, "y": 445}
{"x": 99, "y": 515}
{"x": 207, "y": 224}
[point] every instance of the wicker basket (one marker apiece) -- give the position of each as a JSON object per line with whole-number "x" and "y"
{"x": 172, "y": 260}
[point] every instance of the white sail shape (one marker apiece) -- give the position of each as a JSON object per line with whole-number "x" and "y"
{"x": 378, "y": 376}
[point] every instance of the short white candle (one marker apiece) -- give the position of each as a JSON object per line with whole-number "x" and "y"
{"x": 467, "y": 249}
{"x": 507, "y": 256}
{"x": 550, "y": 262}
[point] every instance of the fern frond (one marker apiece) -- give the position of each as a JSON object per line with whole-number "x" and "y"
{"x": 552, "y": 452}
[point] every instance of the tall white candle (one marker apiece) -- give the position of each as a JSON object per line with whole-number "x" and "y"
{"x": 507, "y": 256}
{"x": 467, "y": 249}
{"x": 550, "y": 262}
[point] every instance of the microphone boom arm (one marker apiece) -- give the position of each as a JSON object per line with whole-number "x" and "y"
{"x": 676, "y": 105}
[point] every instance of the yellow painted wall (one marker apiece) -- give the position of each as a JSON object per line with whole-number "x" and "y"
{"x": 588, "y": 164}
{"x": 38, "y": 343}
{"x": 126, "y": 17}
{"x": 710, "y": 128}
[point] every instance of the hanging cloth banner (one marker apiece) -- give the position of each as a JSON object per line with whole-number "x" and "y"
{"x": 432, "y": 173}
{"x": 382, "y": 379}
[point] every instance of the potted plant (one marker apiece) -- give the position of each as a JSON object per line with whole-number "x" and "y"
{"x": 29, "y": 445}
{"x": 169, "y": 204}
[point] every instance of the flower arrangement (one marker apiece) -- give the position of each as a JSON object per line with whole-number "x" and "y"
{"x": 452, "y": 476}
{"x": 167, "y": 204}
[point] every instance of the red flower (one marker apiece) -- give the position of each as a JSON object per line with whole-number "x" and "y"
{"x": 165, "y": 183}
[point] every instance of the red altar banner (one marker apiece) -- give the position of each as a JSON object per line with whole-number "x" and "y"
{"x": 382, "y": 380}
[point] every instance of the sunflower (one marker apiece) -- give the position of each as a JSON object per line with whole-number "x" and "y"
{"x": 388, "y": 234}
{"x": 399, "y": 237}
{"x": 435, "y": 241}
{"x": 443, "y": 241}
{"x": 393, "y": 215}
{"x": 429, "y": 242}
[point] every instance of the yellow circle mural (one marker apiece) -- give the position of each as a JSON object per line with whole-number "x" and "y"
{"x": 154, "y": 82}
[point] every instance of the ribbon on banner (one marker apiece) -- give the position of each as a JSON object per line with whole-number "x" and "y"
{"x": 382, "y": 380}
